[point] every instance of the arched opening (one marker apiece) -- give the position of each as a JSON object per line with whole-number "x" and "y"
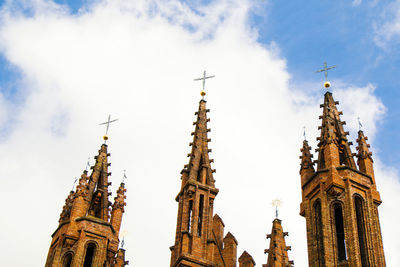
{"x": 90, "y": 254}
{"x": 67, "y": 262}
{"x": 362, "y": 240}
{"x": 339, "y": 227}
{"x": 319, "y": 233}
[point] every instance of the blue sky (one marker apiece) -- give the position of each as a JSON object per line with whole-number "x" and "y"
{"x": 307, "y": 34}
{"x": 62, "y": 73}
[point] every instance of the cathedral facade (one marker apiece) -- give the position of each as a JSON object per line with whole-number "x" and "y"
{"x": 339, "y": 203}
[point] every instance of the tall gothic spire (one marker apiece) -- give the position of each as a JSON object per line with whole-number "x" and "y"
{"x": 199, "y": 167}
{"x": 333, "y": 147}
{"x": 278, "y": 251}
{"x": 85, "y": 235}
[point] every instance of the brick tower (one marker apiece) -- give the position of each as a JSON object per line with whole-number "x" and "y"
{"x": 199, "y": 239}
{"x": 278, "y": 251}
{"x": 340, "y": 201}
{"x": 87, "y": 235}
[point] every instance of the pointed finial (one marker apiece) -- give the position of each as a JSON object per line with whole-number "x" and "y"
{"x": 73, "y": 186}
{"x": 276, "y": 203}
{"x": 124, "y": 176}
{"x": 108, "y": 122}
{"x": 123, "y": 234}
{"x": 359, "y": 124}
{"x": 327, "y": 84}
{"x": 87, "y": 164}
{"x": 304, "y": 133}
{"x": 203, "y": 92}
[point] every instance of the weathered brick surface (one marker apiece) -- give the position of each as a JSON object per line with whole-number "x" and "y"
{"x": 85, "y": 221}
{"x": 338, "y": 187}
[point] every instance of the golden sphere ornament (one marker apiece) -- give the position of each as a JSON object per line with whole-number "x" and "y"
{"x": 105, "y": 138}
{"x": 203, "y": 93}
{"x": 327, "y": 84}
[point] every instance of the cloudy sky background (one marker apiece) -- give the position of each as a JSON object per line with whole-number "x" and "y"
{"x": 66, "y": 65}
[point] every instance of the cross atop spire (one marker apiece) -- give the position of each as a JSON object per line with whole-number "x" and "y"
{"x": 124, "y": 176}
{"x": 203, "y": 92}
{"x": 325, "y": 70}
{"x": 276, "y": 203}
{"x": 108, "y": 122}
{"x": 359, "y": 124}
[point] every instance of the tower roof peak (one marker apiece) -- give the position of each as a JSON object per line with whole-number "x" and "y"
{"x": 332, "y": 132}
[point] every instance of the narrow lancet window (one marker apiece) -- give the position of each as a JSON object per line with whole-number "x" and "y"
{"x": 189, "y": 224}
{"x": 362, "y": 240}
{"x": 200, "y": 222}
{"x": 90, "y": 253}
{"x": 340, "y": 238}
{"x": 67, "y": 260}
{"x": 319, "y": 234}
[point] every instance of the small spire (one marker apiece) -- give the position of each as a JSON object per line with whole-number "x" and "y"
{"x": 278, "y": 251}
{"x": 203, "y": 92}
{"x": 363, "y": 147}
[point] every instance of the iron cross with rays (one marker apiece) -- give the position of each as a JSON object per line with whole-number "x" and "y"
{"x": 108, "y": 122}
{"x": 203, "y": 92}
{"x": 325, "y": 70}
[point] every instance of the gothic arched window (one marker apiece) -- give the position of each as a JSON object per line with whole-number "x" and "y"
{"x": 319, "y": 233}
{"x": 362, "y": 240}
{"x": 90, "y": 255}
{"x": 67, "y": 262}
{"x": 339, "y": 229}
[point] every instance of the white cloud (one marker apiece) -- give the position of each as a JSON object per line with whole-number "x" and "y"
{"x": 136, "y": 60}
{"x": 356, "y": 2}
{"x": 387, "y": 27}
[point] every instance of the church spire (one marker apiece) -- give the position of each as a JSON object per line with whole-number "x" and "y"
{"x": 364, "y": 156}
{"x": 278, "y": 251}
{"x": 307, "y": 164}
{"x": 199, "y": 167}
{"x": 333, "y": 147}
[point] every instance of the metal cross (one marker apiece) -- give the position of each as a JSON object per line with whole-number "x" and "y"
{"x": 304, "y": 133}
{"x": 359, "y": 124}
{"x": 325, "y": 70}
{"x": 76, "y": 179}
{"x": 108, "y": 122}
{"x": 204, "y": 79}
{"x": 124, "y": 177}
{"x": 276, "y": 203}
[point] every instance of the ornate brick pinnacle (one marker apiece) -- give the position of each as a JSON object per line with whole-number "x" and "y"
{"x": 277, "y": 252}
{"x": 119, "y": 200}
{"x": 306, "y": 157}
{"x": 199, "y": 167}
{"x": 66, "y": 211}
{"x": 333, "y": 133}
{"x": 363, "y": 147}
